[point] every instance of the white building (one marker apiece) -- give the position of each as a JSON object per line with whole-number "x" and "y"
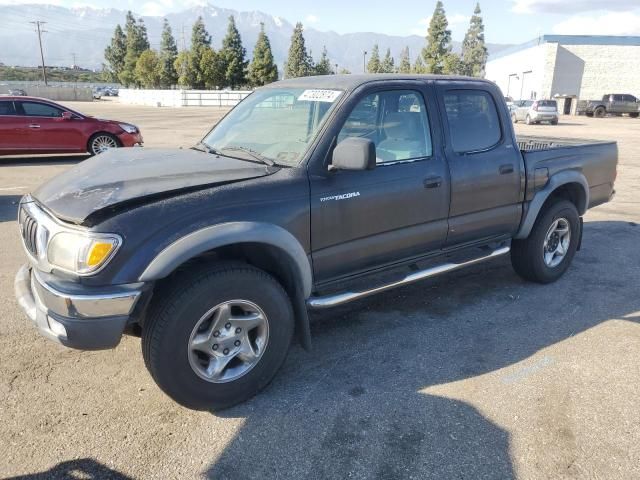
{"x": 568, "y": 68}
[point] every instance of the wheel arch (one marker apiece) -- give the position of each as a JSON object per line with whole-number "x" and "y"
{"x": 265, "y": 246}
{"x": 570, "y": 185}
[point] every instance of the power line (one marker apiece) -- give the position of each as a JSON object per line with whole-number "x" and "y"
{"x": 37, "y": 23}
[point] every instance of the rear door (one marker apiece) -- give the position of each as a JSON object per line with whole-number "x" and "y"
{"x": 487, "y": 174}
{"x": 47, "y": 131}
{"x": 361, "y": 220}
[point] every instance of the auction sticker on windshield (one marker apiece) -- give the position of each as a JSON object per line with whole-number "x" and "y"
{"x": 320, "y": 95}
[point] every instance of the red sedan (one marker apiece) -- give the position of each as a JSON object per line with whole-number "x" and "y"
{"x": 30, "y": 125}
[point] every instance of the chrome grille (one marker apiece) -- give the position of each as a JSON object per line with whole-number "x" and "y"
{"x": 29, "y": 228}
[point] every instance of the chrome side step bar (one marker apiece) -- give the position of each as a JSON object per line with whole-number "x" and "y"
{"x": 333, "y": 300}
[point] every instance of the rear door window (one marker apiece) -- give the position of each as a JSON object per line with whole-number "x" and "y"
{"x": 473, "y": 120}
{"x": 7, "y": 108}
{"x": 36, "y": 109}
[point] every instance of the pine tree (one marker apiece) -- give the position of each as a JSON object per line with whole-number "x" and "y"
{"x": 148, "y": 69}
{"x": 438, "y": 41}
{"x": 212, "y": 68}
{"x": 474, "y": 51}
{"x": 387, "y": 65}
{"x": 405, "y": 62}
{"x": 137, "y": 42}
{"x": 262, "y": 69}
{"x": 200, "y": 43}
{"x": 298, "y": 64}
{"x": 419, "y": 66}
{"x": 114, "y": 54}
{"x": 167, "y": 57}
{"x": 344, "y": 71}
{"x": 374, "y": 65}
{"x": 232, "y": 54}
{"x": 452, "y": 64}
{"x": 323, "y": 67}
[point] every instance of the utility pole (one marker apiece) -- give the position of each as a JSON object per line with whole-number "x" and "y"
{"x": 73, "y": 65}
{"x": 37, "y": 23}
{"x": 364, "y": 61}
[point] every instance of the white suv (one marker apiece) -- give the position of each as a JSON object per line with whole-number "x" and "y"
{"x": 535, "y": 111}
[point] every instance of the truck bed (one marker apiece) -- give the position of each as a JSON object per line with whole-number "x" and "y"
{"x": 595, "y": 159}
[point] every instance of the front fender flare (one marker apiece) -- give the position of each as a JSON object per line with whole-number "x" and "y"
{"x": 215, "y": 236}
{"x": 556, "y": 181}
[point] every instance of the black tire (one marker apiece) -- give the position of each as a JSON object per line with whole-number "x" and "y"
{"x": 599, "y": 112}
{"x": 634, "y": 115}
{"x": 553, "y": 122}
{"x": 527, "y": 120}
{"x": 527, "y": 255}
{"x": 180, "y": 305}
{"x": 92, "y": 146}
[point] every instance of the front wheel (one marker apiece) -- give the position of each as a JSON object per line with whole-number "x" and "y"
{"x": 634, "y": 115}
{"x": 514, "y": 119}
{"x": 527, "y": 120}
{"x": 599, "y": 112}
{"x": 216, "y": 336}
{"x": 101, "y": 142}
{"x": 546, "y": 254}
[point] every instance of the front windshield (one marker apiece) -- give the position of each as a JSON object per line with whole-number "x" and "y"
{"x": 275, "y": 124}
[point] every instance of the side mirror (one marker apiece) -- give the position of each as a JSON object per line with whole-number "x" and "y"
{"x": 67, "y": 115}
{"x": 354, "y": 154}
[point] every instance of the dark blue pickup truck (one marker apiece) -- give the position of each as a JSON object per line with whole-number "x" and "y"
{"x": 312, "y": 192}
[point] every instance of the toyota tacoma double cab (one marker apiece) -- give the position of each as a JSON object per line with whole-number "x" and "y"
{"x": 615, "y": 104}
{"x": 310, "y": 193}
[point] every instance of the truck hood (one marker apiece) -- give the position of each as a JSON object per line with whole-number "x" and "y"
{"x": 126, "y": 177}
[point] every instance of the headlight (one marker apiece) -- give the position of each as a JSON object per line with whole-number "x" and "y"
{"x": 128, "y": 128}
{"x": 81, "y": 254}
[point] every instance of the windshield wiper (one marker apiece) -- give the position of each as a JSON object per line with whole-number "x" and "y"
{"x": 205, "y": 148}
{"x": 250, "y": 152}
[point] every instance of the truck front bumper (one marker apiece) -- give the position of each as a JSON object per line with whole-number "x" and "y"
{"x": 76, "y": 316}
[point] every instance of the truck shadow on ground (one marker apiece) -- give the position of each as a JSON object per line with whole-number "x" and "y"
{"x": 84, "y": 468}
{"x": 353, "y": 406}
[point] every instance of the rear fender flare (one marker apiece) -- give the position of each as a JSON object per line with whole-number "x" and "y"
{"x": 536, "y": 204}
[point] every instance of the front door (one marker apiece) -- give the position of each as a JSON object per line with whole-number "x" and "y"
{"x": 486, "y": 169}
{"x": 47, "y": 131}
{"x": 361, "y": 220}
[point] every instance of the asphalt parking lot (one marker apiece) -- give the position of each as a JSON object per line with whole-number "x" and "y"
{"x": 474, "y": 375}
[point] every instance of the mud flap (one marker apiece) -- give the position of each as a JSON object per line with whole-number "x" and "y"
{"x": 580, "y": 234}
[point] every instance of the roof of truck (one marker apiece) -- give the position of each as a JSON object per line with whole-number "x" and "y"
{"x": 350, "y": 81}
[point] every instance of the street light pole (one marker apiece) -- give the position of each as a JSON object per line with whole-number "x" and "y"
{"x": 364, "y": 61}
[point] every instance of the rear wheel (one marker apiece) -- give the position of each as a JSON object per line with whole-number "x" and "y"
{"x": 634, "y": 115}
{"x": 513, "y": 118}
{"x": 101, "y": 142}
{"x": 553, "y": 122}
{"x": 528, "y": 120}
{"x": 599, "y": 112}
{"x": 217, "y": 336}
{"x": 546, "y": 254}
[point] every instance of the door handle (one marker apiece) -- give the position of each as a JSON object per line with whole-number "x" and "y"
{"x": 34, "y": 125}
{"x": 432, "y": 182}
{"x": 506, "y": 169}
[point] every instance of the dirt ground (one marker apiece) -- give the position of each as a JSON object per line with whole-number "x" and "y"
{"x": 473, "y": 375}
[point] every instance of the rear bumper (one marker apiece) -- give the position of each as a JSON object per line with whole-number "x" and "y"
{"x": 85, "y": 319}
{"x": 543, "y": 116}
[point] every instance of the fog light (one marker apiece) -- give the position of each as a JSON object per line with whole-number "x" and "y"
{"x": 56, "y": 327}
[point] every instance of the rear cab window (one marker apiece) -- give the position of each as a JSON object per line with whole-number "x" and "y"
{"x": 474, "y": 124}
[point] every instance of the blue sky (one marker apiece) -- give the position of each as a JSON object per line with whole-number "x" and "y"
{"x": 506, "y": 21}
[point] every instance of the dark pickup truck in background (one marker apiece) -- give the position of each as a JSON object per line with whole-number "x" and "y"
{"x": 310, "y": 193}
{"x": 614, "y": 104}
